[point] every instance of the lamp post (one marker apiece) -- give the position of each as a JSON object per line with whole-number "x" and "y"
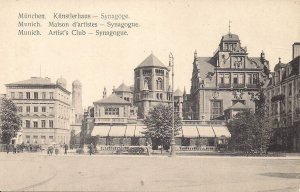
{"x": 172, "y": 143}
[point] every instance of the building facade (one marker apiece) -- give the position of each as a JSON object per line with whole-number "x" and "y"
{"x": 151, "y": 85}
{"x": 283, "y": 102}
{"x": 44, "y": 108}
{"x": 222, "y": 81}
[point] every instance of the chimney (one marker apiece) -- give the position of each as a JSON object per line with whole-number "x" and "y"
{"x": 296, "y": 49}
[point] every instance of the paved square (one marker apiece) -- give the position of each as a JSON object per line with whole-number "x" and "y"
{"x": 39, "y": 172}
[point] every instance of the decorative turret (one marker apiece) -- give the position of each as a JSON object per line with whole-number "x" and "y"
{"x": 62, "y": 82}
{"x": 104, "y": 93}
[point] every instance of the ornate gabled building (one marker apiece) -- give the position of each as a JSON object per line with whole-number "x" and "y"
{"x": 219, "y": 82}
{"x": 151, "y": 85}
{"x": 283, "y": 102}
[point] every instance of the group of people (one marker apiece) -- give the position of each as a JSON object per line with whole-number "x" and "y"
{"x": 55, "y": 149}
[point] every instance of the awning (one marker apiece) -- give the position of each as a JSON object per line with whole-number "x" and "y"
{"x": 130, "y": 131}
{"x": 117, "y": 131}
{"x": 221, "y": 131}
{"x": 205, "y": 131}
{"x": 190, "y": 131}
{"x": 101, "y": 131}
{"x": 138, "y": 130}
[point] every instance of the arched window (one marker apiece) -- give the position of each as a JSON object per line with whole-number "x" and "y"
{"x": 147, "y": 83}
{"x": 159, "y": 84}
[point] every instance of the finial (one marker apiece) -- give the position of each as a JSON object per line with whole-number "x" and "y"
{"x": 229, "y": 26}
{"x": 104, "y": 92}
{"x": 279, "y": 60}
{"x": 195, "y": 54}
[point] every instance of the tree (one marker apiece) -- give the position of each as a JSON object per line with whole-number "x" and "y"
{"x": 159, "y": 124}
{"x": 10, "y": 121}
{"x": 252, "y": 130}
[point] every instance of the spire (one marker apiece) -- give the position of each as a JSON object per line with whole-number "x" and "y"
{"x": 262, "y": 55}
{"x": 229, "y": 26}
{"x": 104, "y": 93}
{"x": 195, "y": 54}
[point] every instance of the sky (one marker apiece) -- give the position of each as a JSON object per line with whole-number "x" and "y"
{"x": 180, "y": 27}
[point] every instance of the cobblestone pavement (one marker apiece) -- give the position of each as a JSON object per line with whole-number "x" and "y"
{"x": 39, "y": 172}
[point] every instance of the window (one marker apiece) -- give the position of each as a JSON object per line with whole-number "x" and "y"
{"x": 35, "y": 138}
{"x": 27, "y": 138}
{"x": 111, "y": 111}
{"x": 290, "y": 89}
{"x": 20, "y": 95}
{"x": 20, "y": 109}
{"x": 43, "y": 139}
{"x": 36, "y": 109}
{"x": 12, "y": 95}
{"x": 35, "y": 124}
{"x": 51, "y": 123}
{"x": 51, "y": 95}
{"x": 36, "y": 95}
{"x": 51, "y": 139}
{"x": 241, "y": 78}
{"x": 226, "y": 78}
{"x": 221, "y": 78}
{"x": 27, "y": 95}
{"x": 43, "y": 109}
{"x": 216, "y": 108}
{"x": 43, "y": 95}
{"x": 235, "y": 79}
{"x": 43, "y": 123}
{"x": 28, "y": 109}
{"x": 159, "y": 84}
{"x": 27, "y": 122}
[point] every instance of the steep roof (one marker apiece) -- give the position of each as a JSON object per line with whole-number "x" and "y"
{"x": 230, "y": 37}
{"x": 34, "y": 81}
{"x": 123, "y": 88}
{"x": 151, "y": 61}
{"x": 112, "y": 99}
{"x": 206, "y": 65}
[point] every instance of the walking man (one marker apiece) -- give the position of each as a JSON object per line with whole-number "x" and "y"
{"x": 66, "y": 148}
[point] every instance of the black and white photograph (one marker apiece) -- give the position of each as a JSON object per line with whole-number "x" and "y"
{"x": 171, "y": 95}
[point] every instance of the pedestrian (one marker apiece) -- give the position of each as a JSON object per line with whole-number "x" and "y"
{"x": 66, "y": 148}
{"x": 15, "y": 147}
{"x": 7, "y": 148}
{"x": 56, "y": 150}
{"x": 91, "y": 148}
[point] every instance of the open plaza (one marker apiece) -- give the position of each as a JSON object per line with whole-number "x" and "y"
{"x": 72, "y": 172}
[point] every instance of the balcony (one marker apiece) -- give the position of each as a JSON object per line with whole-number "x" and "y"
{"x": 224, "y": 85}
{"x": 238, "y": 85}
{"x": 200, "y": 122}
{"x": 111, "y": 120}
{"x": 252, "y": 86}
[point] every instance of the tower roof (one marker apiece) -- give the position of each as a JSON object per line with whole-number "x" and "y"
{"x": 151, "y": 61}
{"x": 123, "y": 88}
{"x": 178, "y": 93}
{"x": 112, "y": 99}
{"x": 230, "y": 37}
{"x": 76, "y": 82}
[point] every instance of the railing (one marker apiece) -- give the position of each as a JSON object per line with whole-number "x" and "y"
{"x": 252, "y": 86}
{"x": 195, "y": 148}
{"x": 200, "y": 122}
{"x": 223, "y": 85}
{"x": 109, "y": 120}
{"x": 238, "y": 85}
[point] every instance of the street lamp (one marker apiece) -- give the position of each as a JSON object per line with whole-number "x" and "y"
{"x": 172, "y": 143}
